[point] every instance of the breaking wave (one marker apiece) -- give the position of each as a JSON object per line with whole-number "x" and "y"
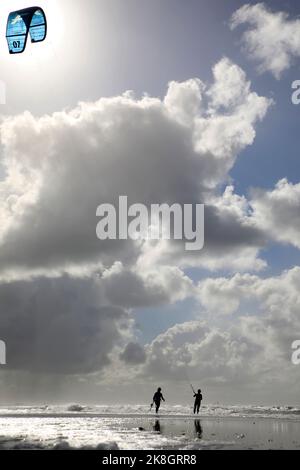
{"x": 143, "y": 410}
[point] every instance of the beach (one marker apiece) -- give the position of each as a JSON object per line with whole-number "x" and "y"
{"x": 133, "y": 428}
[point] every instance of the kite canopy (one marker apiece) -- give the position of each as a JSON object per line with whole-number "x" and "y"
{"x": 20, "y": 23}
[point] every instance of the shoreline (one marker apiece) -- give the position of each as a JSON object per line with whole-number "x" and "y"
{"x": 77, "y": 415}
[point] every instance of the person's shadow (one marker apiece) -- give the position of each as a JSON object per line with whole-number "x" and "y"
{"x": 157, "y": 427}
{"x": 198, "y": 428}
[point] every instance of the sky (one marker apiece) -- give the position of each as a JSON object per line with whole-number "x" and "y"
{"x": 162, "y": 101}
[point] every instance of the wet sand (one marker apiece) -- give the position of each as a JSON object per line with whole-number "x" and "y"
{"x": 230, "y": 433}
{"x": 130, "y": 432}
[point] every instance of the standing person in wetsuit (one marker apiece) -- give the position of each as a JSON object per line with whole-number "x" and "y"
{"x": 198, "y": 399}
{"x": 157, "y": 398}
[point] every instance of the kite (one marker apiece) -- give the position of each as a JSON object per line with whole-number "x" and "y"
{"x": 30, "y": 20}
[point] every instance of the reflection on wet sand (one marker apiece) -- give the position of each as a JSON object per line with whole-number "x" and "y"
{"x": 156, "y": 426}
{"x": 197, "y": 423}
{"x": 198, "y": 428}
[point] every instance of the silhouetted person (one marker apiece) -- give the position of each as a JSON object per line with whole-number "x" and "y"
{"x": 198, "y": 428}
{"x": 157, "y": 398}
{"x": 198, "y": 399}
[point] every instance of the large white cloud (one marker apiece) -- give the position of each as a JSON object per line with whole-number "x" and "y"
{"x": 249, "y": 346}
{"x": 244, "y": 355}
{"x": 59, "y": 168}
{"x": 278, "y": 294}
{"x": 193, "y": 349}
{"x": 269, "y": 307}
{"x": 271, "y": 39}
{"x": 252, "y": 349}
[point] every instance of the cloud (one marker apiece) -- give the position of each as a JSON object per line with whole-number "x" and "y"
{"x": 134, "y": 353}
{"x": 71, "y": 325}
{"x": 60, "y": 326}
{"x": 277, "y": 212}
{"x": 60, "y": 168}
{"x": 140, "y": 287}
{"x": 268, "y": 307}
{"x": 276, "y": 296}
{"x": 184, "y": 100}
{"x": 233, "y": 239}
{"x": 194, "y": 349}
{"x": 271, "y": 39}
{"x": 245, "y": 343}
{"x": 70, "y": 294}
{"x": 254, "y": 351}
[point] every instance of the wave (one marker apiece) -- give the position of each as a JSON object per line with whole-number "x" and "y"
{"x": 27, "y": 444}
{"x": 76, "y": 408}
{"x": 215, "y": 410}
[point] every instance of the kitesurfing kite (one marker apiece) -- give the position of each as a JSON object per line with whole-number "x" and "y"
{"x": 20, "y": 23}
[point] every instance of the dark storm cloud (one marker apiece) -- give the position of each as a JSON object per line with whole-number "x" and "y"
{"x": 59, "y": 326}
{"x": 134, "y": 353}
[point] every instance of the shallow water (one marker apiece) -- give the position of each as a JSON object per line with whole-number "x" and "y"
{"x": 135, "y": 428}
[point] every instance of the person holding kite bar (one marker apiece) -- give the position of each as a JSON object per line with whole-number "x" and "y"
{"x": 198, "y": 399}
